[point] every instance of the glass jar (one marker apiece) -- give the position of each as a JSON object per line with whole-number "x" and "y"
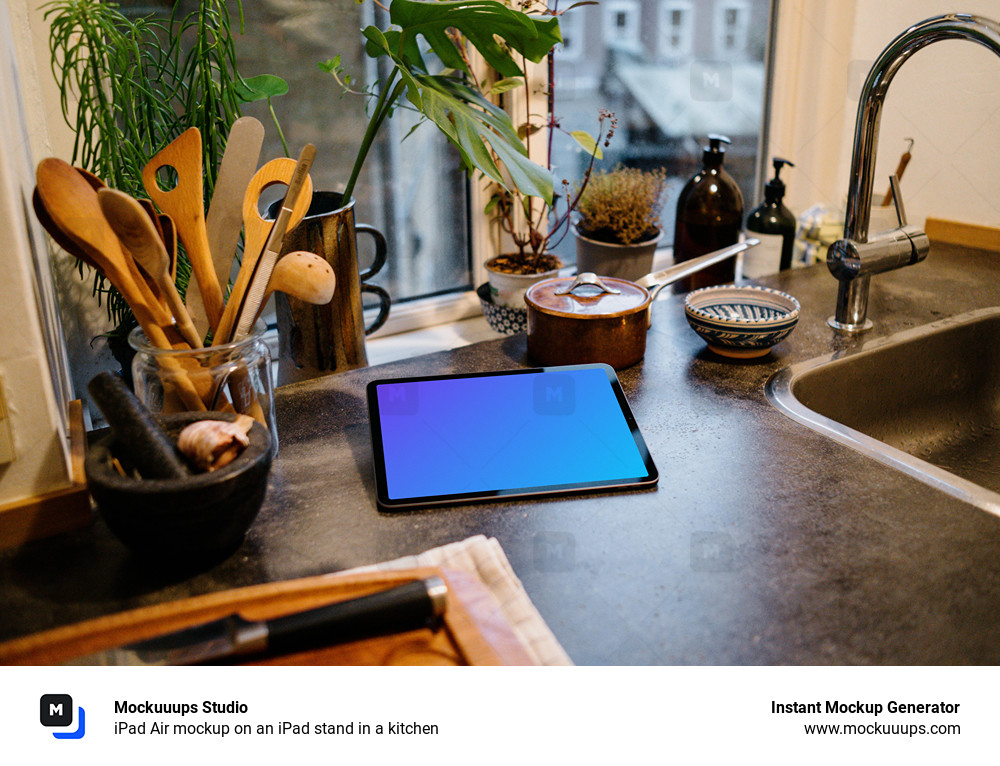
{"x": 232, "y": 377}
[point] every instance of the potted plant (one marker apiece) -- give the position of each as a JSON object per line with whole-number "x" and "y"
{"x": 522, "y": 197}
{"x": 449, "y": 95}
{"x": 618, "y": 224}
{"x": 129, "y": 86}
{"x": 535, "y": 226}
{"x": 427, "y": 55}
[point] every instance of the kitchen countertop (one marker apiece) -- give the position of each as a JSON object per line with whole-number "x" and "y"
{"x": 765, "y": 542}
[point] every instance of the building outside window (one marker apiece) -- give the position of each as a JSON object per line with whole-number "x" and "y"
{"x": 732, "y": 27}
{"x": 676, "y": 29}
{"x": 669, "y": 90}
{"x": 621, "y": 22}
{"x": 571, "y": 26}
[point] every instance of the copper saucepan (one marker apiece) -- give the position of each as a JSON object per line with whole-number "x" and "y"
{"x": 587, "y": 319}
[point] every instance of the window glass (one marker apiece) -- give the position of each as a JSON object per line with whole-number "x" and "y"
{"x": 412, "y": 190}
{"x": 672, "y": 71}
{"x": 621, "y": 23}
{"x": 675, "y": 29}
{"x": 732, "y": 27}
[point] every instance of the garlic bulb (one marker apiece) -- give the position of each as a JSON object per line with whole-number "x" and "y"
{"x": 212, "y": 444}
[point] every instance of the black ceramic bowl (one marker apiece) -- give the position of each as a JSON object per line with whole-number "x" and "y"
{"x": 194, "y": 519}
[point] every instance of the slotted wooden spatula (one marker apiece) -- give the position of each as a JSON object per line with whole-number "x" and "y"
{"x": 185, "y": 204}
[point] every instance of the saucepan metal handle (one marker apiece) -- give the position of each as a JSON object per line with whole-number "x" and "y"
{"x": 660, "y": 279}
{"x": 588, "y": 278}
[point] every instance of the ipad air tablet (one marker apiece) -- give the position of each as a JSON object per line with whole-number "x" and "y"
{"x": 493, "y": 436}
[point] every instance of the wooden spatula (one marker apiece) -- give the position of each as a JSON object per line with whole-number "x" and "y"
{"x": 256, "y": 230}
{"x": 185, "y": 204}
{"x": 225, "y": 212}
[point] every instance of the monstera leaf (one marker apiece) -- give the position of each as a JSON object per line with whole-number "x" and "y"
{"x": 470, "y": 122}
{"x": 481, "y": 22}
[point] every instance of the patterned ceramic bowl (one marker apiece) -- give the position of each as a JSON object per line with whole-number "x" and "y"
{"x": 506, "y": 319}
{"x": 741, "y": 322}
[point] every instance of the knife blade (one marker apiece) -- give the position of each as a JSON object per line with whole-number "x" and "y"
{"x": 410, "y": 606}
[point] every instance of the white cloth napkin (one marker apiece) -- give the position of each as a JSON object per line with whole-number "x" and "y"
{"x": 484, "y": 558}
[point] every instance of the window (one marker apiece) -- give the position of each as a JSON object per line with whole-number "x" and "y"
{"x": 669, "y": 89}
{"x": 732, "y": 25}
{"x": 621, "y": 23}
{"x": 412, "y": 189}
{"x": 655, "y": 63}
{"x": 676, "y": 29}
{"x": 571, "y": 26}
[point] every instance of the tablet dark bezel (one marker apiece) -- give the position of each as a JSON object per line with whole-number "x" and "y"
{"x": 378, "y": 456}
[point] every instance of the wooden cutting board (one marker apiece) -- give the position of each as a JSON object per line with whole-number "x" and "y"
{"x": 474, "y": 630}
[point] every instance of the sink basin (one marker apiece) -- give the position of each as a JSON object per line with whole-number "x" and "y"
{"x": 925, "y": 401}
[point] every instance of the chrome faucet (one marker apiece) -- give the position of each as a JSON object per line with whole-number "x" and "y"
{"x": 853, "y": 259}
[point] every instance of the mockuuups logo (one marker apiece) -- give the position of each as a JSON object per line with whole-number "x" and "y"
{"x": 56, "y": 710}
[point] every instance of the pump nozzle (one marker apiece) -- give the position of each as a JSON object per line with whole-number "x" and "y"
{"x": 714, "y": 139}
{"x": 713, "y": 154}
{"x": 774, "y": 190}
{"x": 779, "y": 163}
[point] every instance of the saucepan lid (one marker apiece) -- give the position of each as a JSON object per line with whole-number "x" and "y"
{"x": 587, "y": 296}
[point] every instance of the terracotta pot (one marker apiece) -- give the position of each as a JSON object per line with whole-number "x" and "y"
{"x": 587, "y": 319}
{"x": 508, "y": 289}
{"x": 611, "y": 260}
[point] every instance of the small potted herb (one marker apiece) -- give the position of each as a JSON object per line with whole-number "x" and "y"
{"x": 618, "y": 226}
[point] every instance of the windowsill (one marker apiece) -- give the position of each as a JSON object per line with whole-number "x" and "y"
{"x": 462, "y": 331}
{"x": 442, "y": 337}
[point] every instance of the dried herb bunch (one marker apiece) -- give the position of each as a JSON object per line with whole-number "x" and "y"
{"x": 622, "y": 206}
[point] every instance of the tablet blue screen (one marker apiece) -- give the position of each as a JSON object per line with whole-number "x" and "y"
{"x": 457, "y": 435}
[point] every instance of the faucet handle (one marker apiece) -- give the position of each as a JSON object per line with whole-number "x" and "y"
{"x": 897, "y": 200}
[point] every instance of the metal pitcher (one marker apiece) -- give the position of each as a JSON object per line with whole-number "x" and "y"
{"x": 319, "y": 340}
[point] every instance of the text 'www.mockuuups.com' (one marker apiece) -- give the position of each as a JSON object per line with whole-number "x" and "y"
{"x": 909, "y": 719}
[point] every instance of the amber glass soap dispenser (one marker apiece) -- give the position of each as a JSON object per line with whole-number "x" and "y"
{"x": 709, "y": 217}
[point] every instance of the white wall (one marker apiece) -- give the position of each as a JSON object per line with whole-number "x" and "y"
{"x": 32, "y": 380}
{"x": 946, "y": 97}
{"x": 49, "y": 136}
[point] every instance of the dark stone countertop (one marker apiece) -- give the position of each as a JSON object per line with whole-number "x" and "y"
{"x": 765, "y": 543}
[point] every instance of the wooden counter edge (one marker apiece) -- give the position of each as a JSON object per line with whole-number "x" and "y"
{"x": 964, "y": 234}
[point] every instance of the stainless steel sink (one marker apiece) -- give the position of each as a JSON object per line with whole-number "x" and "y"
{"x": 925, "y": 401}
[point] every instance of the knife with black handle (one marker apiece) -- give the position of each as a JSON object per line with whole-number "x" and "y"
{"x": 410, "y": 606}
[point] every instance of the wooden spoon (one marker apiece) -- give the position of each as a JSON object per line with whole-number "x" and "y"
{"x": 64, "y": 240}
{"x": 72, "y": 203}
{"x": 301, "y": 275}
{"x": 186, "y": 205}
{"x": 224, "y": 219}
{"x": 256, "y": 229}
{"x": 93, "y": 179}
{"x": 134, "y": 228}
{"x": 150, "y": 210}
